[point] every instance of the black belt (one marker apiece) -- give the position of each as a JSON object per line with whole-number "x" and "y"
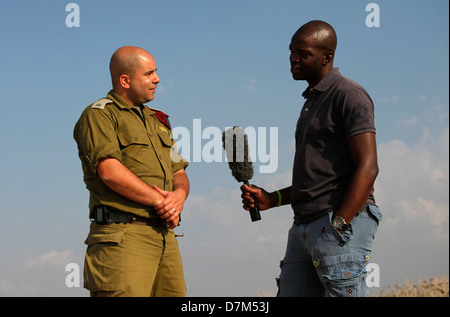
{"x": 104, "y": 214}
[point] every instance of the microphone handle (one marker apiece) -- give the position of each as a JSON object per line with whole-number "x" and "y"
{"x": 254, "y": 212}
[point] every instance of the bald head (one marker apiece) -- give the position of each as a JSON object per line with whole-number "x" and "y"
{"x": 312, "y": 51}
{"x": 133, "y": 75}
{"x": 321, "y": 33}
{"x": 126, "y": 60}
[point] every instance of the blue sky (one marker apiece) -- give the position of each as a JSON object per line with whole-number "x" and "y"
{"x": 226, "y": 63}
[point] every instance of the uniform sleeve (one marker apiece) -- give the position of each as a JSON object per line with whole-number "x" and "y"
{"x": 178, "y": 162}
{"x": 358, "y": 113}
{"x": 96, "y": 137}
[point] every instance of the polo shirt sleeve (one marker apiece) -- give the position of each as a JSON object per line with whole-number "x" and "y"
{"x": 96, "y": 137}
{"x": 358, "y": 113}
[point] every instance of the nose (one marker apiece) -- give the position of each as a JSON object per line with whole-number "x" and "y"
{"x": 156, "y": 80}
{"x": 293, "y": 57}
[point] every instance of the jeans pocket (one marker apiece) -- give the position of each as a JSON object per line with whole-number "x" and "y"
{"x": 343, "y": 275}
{"x": 345, "y": 236}
{"x": 375, "y": 213}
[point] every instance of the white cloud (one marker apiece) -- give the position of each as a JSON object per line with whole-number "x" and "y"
{"x": 251, "y": 86}
{"x": 408, "y": 121}
{"x": 420, "y": 169}
{"x": 429, "y": 213}
{"x": 6, "y": 287}
{"x": 389, "y": 99}
{"x": 412, "y": 192}
{"x": 51, "y": 258}
{"x": 39, "y": 275}
{"x": 422, "y": 98}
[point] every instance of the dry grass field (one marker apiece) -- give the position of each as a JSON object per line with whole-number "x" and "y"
{"x": 433, "y": 287}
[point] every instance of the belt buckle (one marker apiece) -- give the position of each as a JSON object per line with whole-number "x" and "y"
{"x": 139, "y": 221}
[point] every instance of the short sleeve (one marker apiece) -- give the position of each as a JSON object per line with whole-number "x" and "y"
{"x": 357, "y": 113}
{"x": 96, "y": 137}
{"x": 178, "y": 162}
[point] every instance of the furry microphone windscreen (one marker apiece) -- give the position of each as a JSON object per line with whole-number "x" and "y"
{"x": 236, "y": 149}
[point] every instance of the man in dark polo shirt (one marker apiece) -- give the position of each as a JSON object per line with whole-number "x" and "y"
{"x": 335, "y": 166}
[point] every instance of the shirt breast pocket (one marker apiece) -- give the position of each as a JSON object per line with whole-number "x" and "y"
{"x": 129, "y": 137}
{"x": 166, "y": 142}
{"x": 165, "y": 138}
{"x": 137, "y": 153}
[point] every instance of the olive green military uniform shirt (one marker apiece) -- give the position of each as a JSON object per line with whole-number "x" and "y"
{"x": 111, "y": 128}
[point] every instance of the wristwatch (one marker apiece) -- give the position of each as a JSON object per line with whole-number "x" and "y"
{"x": 339, "y": 223}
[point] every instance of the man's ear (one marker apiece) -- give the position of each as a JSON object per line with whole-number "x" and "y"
{"x": 125, "y": 81}
{"x": 327, "y": 58}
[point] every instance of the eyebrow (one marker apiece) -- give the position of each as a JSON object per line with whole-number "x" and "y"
{"x": 300, "y": 49}
{"x": 150, "y": 71}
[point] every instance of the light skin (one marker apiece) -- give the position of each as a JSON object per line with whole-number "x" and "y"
{"x": 312, "y": 52}
{"x": 134, "y": 78}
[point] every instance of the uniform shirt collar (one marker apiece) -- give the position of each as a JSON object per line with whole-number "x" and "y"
{"x": 119, "y": 101}
{"x": 324, "y": 84}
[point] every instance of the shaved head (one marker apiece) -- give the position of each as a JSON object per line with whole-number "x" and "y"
{"x": 126, "y": 60}
{"x": 133, "y": 75}
{"x": 321, "y": 33}
{"x": 312, "y": 51}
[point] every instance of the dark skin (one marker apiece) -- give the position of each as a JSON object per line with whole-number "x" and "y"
{"x": 312, "y": 52}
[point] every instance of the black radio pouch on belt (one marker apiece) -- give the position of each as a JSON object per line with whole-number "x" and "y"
{"x": 101, "y": 215}
{"x": 105, "y": 214}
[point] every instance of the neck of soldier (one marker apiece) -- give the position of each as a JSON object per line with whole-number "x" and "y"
{"x": 130, "y": 101}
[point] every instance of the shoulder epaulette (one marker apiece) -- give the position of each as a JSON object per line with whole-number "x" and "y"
{"x": 100, "y": 104}
{"x": 162, "y": 117}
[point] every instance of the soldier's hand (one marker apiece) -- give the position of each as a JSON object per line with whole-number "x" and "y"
{"x": 170, "y": 208}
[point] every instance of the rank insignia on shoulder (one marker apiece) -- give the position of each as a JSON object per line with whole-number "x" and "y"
{"x": 162, "y": 117}
{"x": 100, "y": 104}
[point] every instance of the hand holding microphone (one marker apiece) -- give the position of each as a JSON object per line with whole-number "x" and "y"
{"x": 253, "y": 195}
{"x": 236, "y": 149}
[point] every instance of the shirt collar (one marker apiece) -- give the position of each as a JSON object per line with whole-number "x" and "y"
{"x": 323, "y": 84}
{"x": 122, "y": 103}
{"x": 118, "y": 100}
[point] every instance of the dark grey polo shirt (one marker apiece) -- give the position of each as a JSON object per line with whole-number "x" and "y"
{"x": 336, "y": 109}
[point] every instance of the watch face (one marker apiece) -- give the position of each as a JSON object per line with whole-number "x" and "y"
{"x": 338, "y": 222}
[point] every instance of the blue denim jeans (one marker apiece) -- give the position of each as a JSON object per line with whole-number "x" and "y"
{"x": 319, "y": 261}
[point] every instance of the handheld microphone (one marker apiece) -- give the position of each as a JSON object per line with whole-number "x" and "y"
{"x": 236, "y": 149}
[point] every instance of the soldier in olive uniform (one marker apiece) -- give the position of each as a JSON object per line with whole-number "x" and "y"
{"x": 137, "y": 184}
